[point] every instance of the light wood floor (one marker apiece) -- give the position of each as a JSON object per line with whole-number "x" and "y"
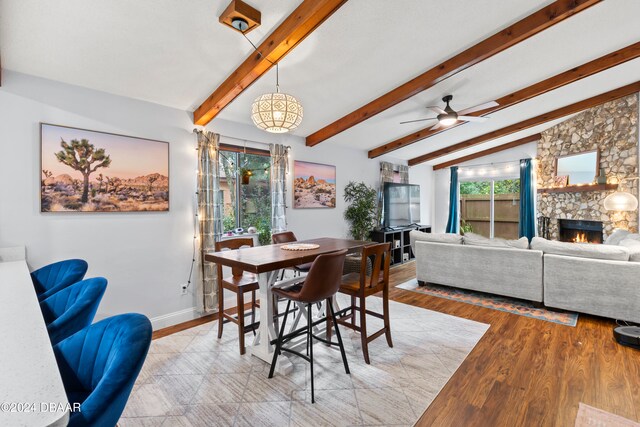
{"x": 523, "y": 372}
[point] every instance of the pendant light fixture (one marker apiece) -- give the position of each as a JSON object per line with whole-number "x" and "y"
{"x": 276, "y": 112}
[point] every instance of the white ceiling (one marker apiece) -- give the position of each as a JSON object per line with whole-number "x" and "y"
{"x": 175, "y": 53}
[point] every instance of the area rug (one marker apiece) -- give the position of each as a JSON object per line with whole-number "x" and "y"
{"x": 191, "y": 378}
{"x": 496, "y": 302}
{"x": 588, "y": 416}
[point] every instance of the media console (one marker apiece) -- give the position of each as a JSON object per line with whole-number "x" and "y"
{"x": 400, "y": 244}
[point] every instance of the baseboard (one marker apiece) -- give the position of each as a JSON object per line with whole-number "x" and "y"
{"x": 174, "y": 318}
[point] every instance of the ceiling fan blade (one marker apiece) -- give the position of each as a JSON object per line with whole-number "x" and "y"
{"x": 473, "y": 118}
{"x": 419, "y": 120}
{"x": 437, "y": 110}
{"x": 478, "y": 108}
{"x": 437, "y": 126}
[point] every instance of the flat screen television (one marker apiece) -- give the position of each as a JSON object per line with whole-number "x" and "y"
{"x": 401, "y": 204}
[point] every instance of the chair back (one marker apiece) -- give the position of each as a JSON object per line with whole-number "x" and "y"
{"x": 283, "y": 237}
{"x": 324, "y": 277}
{"x": 51, "y": 278}
{"x": 73, "y": 308}
{"x": 99, "y": 365}
{"x": 380, "y": 256}
{"x": 229, "y": 245}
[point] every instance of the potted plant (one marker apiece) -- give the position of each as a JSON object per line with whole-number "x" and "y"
{"x": 362, "y": 208}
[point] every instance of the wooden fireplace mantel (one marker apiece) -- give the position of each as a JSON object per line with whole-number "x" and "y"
{"x": 578, "y": 188}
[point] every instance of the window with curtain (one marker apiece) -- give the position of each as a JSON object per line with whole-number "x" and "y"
{"x": 244, "y": 180}
{"x": 490, "y": 207}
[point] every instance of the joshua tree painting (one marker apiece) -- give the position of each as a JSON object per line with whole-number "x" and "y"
{"x": 89, "y": 171}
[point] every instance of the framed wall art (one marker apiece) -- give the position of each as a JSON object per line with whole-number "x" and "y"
{"x": 89, "y": 171}
{"x": 314, "y": 185}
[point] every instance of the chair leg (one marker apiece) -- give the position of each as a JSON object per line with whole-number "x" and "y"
{"x": 253, "y": 310}
{"x": 240, "y": 296}
{"x": 387, "y": 323}
{"x": 276, "y": 313}
{"x": 353, "y": 310}
{"x": 342, "y": 352}
{"x": 330, "y": 317}
{"x": 363, "y": 329}
{"x": 220, "y": 311}
{"x": 276, "y": 351}
{"x": 310, "y": 335}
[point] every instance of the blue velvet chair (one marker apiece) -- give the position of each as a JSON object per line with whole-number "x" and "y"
{"x": 99, "y": 366}
{"x": 53, "y": 277}
{"x": 73, "y": 308}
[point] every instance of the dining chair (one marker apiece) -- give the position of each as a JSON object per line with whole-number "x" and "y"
{"x": 73, "y": 308}
{"x": 321, "y": 284}
{"x": 290, "y": 237}
{"x": 99, "y": 365}
{"x": 51, "y": 278}
{"x": 240, "y": 282}
{"x": 359, "y": 286}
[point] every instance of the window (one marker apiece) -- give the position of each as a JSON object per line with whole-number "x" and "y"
{"x": 490, "y": 207}
{"x": 244, "y": 180}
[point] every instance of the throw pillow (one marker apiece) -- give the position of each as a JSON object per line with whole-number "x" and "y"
{"x": 616, "y": 237}
{"x": 415, "y": 235}
{"x": 582, "y": 250}
{"x": 634, "y": 249}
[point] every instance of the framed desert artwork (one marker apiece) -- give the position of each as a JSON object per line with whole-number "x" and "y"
{"x": 314, "y": 185}
{"x": 89, "y": 171}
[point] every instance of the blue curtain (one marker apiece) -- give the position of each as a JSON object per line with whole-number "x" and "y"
{"x": 452, "y": 223}
{"x": 527, "y": 225}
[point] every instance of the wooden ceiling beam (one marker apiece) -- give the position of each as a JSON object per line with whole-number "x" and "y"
{"x": 533, "y": 24}
{"x": 295, "y": 28}
{"x": 570, "y": 76}
{"x": 535, "y": 121}
{"x": 492, "y": 150}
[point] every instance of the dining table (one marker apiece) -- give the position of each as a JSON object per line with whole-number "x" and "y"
{"x": 266, "y": 262}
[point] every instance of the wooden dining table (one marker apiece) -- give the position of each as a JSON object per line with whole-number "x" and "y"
{"x": 266, "y": 262}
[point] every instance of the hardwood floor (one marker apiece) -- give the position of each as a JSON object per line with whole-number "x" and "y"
{"x": 524, "y": 371}
{"x": 529, "y": 372}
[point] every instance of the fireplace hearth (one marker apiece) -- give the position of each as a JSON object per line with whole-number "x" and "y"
{"x": 580, "y": 231}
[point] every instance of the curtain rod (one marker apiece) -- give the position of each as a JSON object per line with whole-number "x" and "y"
{"x": 241, "y": 139}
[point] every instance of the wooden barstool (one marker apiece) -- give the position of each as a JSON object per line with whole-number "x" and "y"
{"x": 320, "y": 284}
{"x": 239, "y": 282}
{"x": 360, "y": 286}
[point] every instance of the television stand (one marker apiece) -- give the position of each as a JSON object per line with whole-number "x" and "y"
{"x": 399, "y": 238}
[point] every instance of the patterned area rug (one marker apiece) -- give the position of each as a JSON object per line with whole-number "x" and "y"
{"x": 496, "y": 302}
{"x": 589, "y": 416}
{"x": 194, "y": 379}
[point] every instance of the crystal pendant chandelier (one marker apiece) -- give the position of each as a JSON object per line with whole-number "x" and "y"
{"x": 276, "y": 112}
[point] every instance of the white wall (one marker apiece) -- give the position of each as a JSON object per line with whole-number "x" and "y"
{"x": 442, "y": 179}
{"x": 145, "y": 256}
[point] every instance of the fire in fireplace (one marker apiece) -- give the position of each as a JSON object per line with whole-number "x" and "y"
{"x": 580, "y": 231}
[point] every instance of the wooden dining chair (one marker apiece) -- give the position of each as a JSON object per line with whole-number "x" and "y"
{"x": 241, "y": 283}
{"x": 361, "y": 285}
{"x": 290, "y": 237}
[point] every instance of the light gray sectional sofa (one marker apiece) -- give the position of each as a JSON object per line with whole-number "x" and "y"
{"x": 602, "y": 280}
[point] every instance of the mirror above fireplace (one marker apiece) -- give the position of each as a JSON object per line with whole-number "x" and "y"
{"x": 580, "y": 168}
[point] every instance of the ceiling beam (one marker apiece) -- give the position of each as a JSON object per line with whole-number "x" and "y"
{"x": 492, "y": 150}
{"x": 295, "y": 28}
{"x": 533, "y": 24}
{"x": 570, "y": 76}
{"x": 535, "y": 121}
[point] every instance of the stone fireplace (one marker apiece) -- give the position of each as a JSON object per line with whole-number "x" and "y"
{"x": 610, "y": 128}
{"x": 580, "y": 231}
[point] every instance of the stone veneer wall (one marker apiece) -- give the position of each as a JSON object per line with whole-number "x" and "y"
{"x": 612, "y": 128}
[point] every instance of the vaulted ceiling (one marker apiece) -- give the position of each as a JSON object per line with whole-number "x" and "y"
{"x": 175, "y": 53}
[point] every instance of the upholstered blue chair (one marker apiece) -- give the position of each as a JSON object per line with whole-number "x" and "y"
{"x": 99, "y": 366}
{"x": 53, "y": 277}
{"x": 72, "y": 308}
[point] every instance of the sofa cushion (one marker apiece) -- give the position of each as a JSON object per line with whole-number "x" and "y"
{"x": 616, "y": 237}
{"x": 632, "y": 236}
{"x": 478, "y": 240}
{"x": 416, "y": 235}
{"x": 582, "y": 250}
{"x": 634, "y": 249}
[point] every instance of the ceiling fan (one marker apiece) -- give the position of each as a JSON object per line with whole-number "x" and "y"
{"x": 449, "y": 116}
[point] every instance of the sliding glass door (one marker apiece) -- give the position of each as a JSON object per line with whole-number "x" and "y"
{"x": 490, "y": 207}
